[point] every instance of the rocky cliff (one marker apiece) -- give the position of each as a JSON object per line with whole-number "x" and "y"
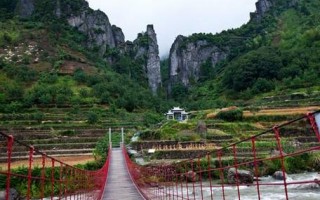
{"x": 25, "y": 8}
{"x": 263, "y": 6}
{"x": 100, "y": 33}
{"x": 97, "y": 27}
{"x": 146, "y": 48}
{"x": 93, "y": 23}
{"x": 186, "y": 57}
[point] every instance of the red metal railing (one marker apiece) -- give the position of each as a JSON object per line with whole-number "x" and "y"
{"x": 136, "y": 173}
{"x": 239, "y": 171}
{"x": 45, "y": 176}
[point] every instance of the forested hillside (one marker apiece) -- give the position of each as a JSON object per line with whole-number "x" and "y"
{"x": 44, "y": 62}
{"x": 275, "y": 55}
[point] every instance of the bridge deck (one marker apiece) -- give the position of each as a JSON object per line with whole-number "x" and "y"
{"x": 119, "y": 184}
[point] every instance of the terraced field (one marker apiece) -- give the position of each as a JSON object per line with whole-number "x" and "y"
{"x": 59, "y": 133}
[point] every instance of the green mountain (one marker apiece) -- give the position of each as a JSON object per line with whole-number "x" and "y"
{"x": 276, "y": 54}
{"x": 64, "y": 54}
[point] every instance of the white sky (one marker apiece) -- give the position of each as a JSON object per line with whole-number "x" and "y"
{"x": 175, "y": 17}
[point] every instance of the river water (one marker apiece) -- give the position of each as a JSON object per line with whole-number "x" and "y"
{"x": 300, "y": 187}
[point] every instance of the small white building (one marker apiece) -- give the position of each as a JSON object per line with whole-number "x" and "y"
{"x": 177, "y": 113}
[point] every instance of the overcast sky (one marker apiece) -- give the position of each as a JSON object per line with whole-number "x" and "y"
{"x": 175, "y": 17}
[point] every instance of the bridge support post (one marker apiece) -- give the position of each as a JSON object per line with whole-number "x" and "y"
{"x": 9, "y": 150}
{"x": 110, "y": 142}
{"x": 122, "y": 137}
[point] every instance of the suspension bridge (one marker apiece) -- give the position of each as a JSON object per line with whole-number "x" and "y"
{"x": 203, "y": 177}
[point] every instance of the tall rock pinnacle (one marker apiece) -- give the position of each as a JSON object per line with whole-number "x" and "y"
{"x": 153, "y": 60}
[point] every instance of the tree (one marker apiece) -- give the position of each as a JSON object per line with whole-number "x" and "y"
{"x": 7, "y": 8}
{"x": 13, "y": 92}
{"x": 179, "y": 92}
{"x": 45, "y": 98}
{"x": 128, "y": 101}
{"x": 80, "y": 76}
{"x": 39, "y": 116}
{"x": 206, "y": 71}
{"x": 92, "y": 117}
{"x": 262, "y": 85}
{"x": 245, "y": 71}
{"x": 48, "y": 78}
{"x": 84, "y": 92}
{"x": 13, "y": 107}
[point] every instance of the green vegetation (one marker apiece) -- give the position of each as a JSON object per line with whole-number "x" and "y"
{"x": 230, "y": 115}
{"x": 52, "y": 83}
{"x": 35, "y": 54}
{"x": 272, "y": 57}
{"x": 21, "y": 183}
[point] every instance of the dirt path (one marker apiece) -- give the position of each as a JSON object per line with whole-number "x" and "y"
{"x": 38, "y": 162}
{"x": 282, "y": 111}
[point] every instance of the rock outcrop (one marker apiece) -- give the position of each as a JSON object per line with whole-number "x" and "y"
{"x": 58, "y": 9}
{"x": 25, "y": 8}
{"x": 146, "y": 48}
{"x": 100, "y": 33}
{"x": 96, "y": 25}
{"x": 186, "y": 58}
{"x": 262, "y": 6}
{"x": 239, "y": 176}
{"x": 93, "y": 23}
{"x": 117, "y": 35}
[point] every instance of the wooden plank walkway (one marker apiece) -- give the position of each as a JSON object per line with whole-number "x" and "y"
{"x": 119, "y": 184}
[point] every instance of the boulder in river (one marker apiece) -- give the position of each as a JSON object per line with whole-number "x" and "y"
{"x": 310, "y": 186}
{"x": 192, "y": 176}
{"x": 278, "y": 175}
{"x": 13, "y": 194}
{"x": 240, "y": 176}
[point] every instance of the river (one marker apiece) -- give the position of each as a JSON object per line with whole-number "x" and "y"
{"x": 300, "y": 187}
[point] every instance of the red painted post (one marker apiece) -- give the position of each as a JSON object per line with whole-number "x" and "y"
{"x": 76, "y": 175}
{"x": 66, "y": 181}
{"x": 221, "y": 174}
{"x": 236, "y": 167}
{"x": 31, "y": 150}
{"x": 73, "y": 181}
{"x": 79, "y": 183}
{"x": 177, "y": 180}
{"x": 186, "y": 173}
{"x": 193, "y": 178}
{"x": 9, "y": 152}
{"x": 60, "y": 180}
{"x": 181, "y": 184}
{"x": 86, "y": 189}
{"x": 314, "y": 125}
{"x": 209, "y": 174}
{"x": 256, "y": 170}
{"x": 43, "y": 175}
{"x": 82, "y": 184}
{"x": 277, "y": 135}
{"x": 200, "y": 177}
{"x": 166, "y": 181}
{"x": 52, "y": 178}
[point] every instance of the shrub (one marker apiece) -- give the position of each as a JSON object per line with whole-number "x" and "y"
{"x": 13, "y": 107}
{"x": 230, "y": 115}
{"x": 39, "y": 116}
{"x": 151, "y": 119}
{"x": 92, "y": 117}
{"x": 150, "y": 135}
